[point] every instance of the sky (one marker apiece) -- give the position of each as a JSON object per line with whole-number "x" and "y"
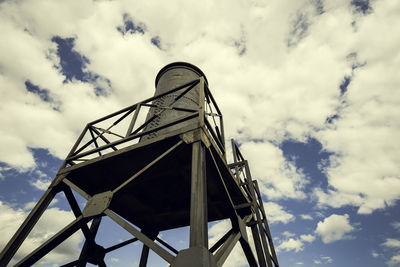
{"x": 308, "y": 88}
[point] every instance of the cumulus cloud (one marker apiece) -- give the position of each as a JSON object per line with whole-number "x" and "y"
{"x": 307, "y": 238}
{"x": 396, "y": 225}
{"x": 375, "y": 254}
{"x": 391, "y": 243}
{"x": 364, "y": 170}
{"x": 291, "y": 244}
{"x": 277, "y": 177}
{"x": 274, "y": 68}
{"x": 41, "y": 184}
{"x": 306, "y": 217}
{"x": 288, "y": 234}
{"x": 394, "y": 245}
{"x": 276, "y": 213}
{"x": 334, "y": 228}
{"x": 394, "y": 260}
{"x": 323, "y": 260}
{"x": 51, "y": 222}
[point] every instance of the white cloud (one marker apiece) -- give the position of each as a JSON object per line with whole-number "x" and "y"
{"x": 391, "y": 243}
{"x": 288, "y": 234}
{"x": 327, "y": 259}
{"x": 323, "y": 260}
{"x": 291, "y": 244}
{"x": 114, "y": 260}
{"x": 306, "y": 217}
{"x": 41, "y": 184}
{"x": 52, "y": 221}
{"x": 375, "y": 254}
{"x": 307, "y": 238}
{"x": 394, "y": 260}
{"x": 396, "y": 225}
{"x": 334, "y": 228}
{"x": 277, "y": 177}
{"x": 271, "y": 93}
{"x": 364, "y": 170}
{"x": 276, "y": 213}
{"x": 292, "y": 103}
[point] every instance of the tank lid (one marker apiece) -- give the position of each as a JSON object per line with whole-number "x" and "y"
{"x": 180, "y": 65}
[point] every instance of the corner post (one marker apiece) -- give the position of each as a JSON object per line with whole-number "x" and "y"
{"x": 198, "y": 199}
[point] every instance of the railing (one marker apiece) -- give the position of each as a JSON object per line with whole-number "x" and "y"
{"x": 125, "y": 127}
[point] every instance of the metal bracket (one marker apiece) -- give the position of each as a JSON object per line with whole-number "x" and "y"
{"x": 97, "y": 204}
{"x": 196, "y": 135}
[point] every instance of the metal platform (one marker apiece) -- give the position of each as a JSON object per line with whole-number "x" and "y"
{"x": 160, "y": 196}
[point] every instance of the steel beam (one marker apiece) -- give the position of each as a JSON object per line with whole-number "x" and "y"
{"x": 145, "y": 250}
{"x": 198, "y": 199}
{"x": 223, "y": 252}
{"x": 257, "y": 213}
{"x": 142, "y": 237}
{"x": 89, "y": 243}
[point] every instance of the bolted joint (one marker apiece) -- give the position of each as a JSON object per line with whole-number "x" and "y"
{"x": 97, "y": 204}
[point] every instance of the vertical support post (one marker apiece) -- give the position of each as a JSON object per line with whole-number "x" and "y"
{"x": 198, "y": 199}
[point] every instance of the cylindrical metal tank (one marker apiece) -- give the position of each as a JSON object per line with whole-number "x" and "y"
{"x": 172, "y": 76}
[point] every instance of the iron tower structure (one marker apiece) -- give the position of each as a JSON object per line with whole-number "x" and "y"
{"x": 156, "y": 165}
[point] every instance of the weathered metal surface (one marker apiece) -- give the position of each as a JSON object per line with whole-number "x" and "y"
{"x": 169, "y": 77}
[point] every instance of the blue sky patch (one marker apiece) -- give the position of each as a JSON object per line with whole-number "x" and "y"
{"x": 72, "y": 63}
{"x": 42, "y": 93}
{"x": 309, "y": 157}
{"x": 319, "y": 6}
{"x": 241, "y": 47}
{"x": 73, "y": 66}
{"x": 299, "y": 29}
{"x": 156, "y": 41}
{"x": 332, "y": 118}
{"x": 362, "y": 6}
{"x": 130, "y": 26}
{"x": 345, "y": 83}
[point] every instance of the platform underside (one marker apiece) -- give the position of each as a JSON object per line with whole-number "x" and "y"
{"x": 160, "y": 197}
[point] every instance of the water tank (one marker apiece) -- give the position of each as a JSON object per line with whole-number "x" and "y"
{"x": 172, "y": 76}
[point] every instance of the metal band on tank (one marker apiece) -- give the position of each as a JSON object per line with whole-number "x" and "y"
{"x": 179, "y": 65}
